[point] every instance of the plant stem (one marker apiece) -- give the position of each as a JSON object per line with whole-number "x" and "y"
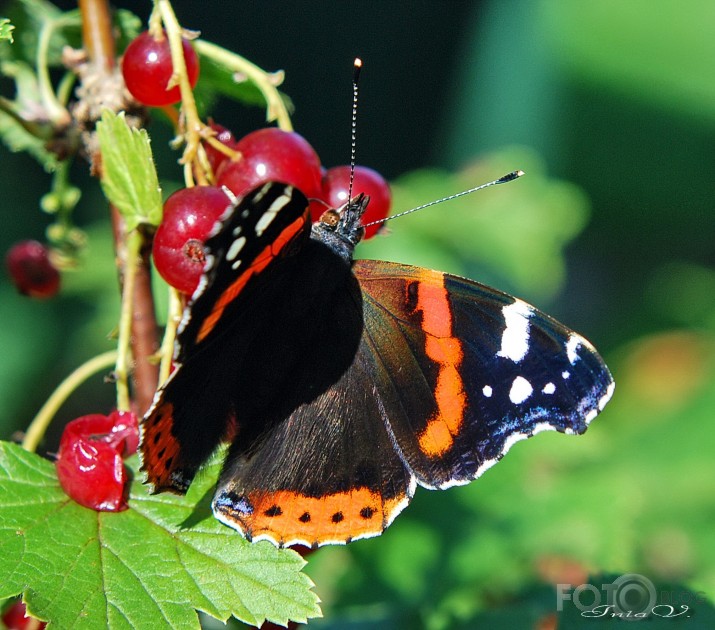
{"x": 188, "y": 103}
{"x": 97, "y": 36}
{"x": 131, "y": 261}
{"x": 173, "y": 318}
{"x": 56, "y": 112}
{"x": 41, "y": 421}
{"x": 98, "y": 41}
{"x": 144, "y": 340}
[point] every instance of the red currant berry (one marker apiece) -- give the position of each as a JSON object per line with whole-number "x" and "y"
{"x": 89, "y": 462}
{"x": 336, "y": 184}
{"x": 125, "y": 432}
{"x": 31, "y": 271}
{"x": 16, "y": 618}
{"x": 272, "y": 154}
{"x": 189, "y": 216}
{"x": 224, "y": 136}
{"x": 147, "y": 70}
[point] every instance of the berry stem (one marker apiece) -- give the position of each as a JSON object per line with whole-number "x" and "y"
{"x": 172, "y": 323}
{"x": 266, "y": 82}
{"x": 41, "y": 421}
{"x": 56, "y": 112}
{"x": 189, "y": 111}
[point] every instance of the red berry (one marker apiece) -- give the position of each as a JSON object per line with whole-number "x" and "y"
{"x": 336, "y": 184}
{"x": 189, "y": 216}
{"x": 125, "y": 432}
{"x": 31, "y": 270}
{"x": 272, "y": 154}
{"x": 16, "y": 618}
{"x": 89, "y": 462}
{"x": 224, "y": 136}
{"x": 147, "y": 69}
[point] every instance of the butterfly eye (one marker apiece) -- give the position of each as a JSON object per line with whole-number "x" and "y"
{"x": 330, "y": 218}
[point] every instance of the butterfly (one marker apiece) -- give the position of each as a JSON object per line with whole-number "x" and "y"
{"x": 343, "y": 384}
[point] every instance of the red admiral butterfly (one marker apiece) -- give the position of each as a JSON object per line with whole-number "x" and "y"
{"x": 343, "y": 384}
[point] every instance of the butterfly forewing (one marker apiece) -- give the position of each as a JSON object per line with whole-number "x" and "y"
{"x": 468, "y": 370}
{"x": 195, "y": 409}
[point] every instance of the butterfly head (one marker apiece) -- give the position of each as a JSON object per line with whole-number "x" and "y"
{"x": 341, "y": 229}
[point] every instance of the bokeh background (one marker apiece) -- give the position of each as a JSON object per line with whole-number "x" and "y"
{"x": 610, "y": 108}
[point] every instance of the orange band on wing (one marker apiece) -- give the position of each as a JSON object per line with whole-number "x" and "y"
{"x": 446, "y": 351}
{"x": 285, "y": 517}
{"x": 159, "y": 446}
{"x": 259, "y": 264}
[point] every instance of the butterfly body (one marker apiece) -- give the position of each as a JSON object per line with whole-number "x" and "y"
{"x": 343, "y": 384}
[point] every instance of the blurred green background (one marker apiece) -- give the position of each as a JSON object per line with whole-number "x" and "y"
{"x": 610, "y": 108}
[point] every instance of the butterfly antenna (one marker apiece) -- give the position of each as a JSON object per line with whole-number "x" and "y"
{"x": 509, "y": 177}
{"x": 357, "y": 66}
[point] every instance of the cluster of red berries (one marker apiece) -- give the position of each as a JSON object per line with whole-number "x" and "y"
{"x": 90, "y": 464}
{"x": 262, "y": 156}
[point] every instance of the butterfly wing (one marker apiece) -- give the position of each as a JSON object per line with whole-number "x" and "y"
{"x": 192, "y": 412}
{"x": 465, "y": 370}
{"x": 319, "y": 465}
{"x": 445, "y": 376}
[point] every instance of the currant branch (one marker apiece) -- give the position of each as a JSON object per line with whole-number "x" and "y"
{"x": 138, "y": 319}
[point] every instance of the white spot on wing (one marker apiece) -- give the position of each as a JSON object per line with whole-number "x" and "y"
{"x": 520, "y": 390}
{"x": 487, "y": 391}
{"x": 515, "y": 338}
{"x": 262, "y": 192}
{"x": 565, "y": 374}
{"x": 235, "y": 248}
{"x": 272, "y": 211}
{"x": 572, "y": 346}
{"x": 549, "y": 388}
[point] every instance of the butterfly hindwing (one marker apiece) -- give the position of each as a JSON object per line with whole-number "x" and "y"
{"x": 194, "y": 410}
{"x": 468, "y": 370}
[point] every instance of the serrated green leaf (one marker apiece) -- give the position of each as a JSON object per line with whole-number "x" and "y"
{"x": 129, "y": 177}
{"x": 150, "y": 566}
{"x": 6, "y": 29}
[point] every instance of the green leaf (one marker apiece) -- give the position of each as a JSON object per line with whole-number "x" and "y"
{"x": 150, "y": 566}
{"x": 6, "y": 29}
{"x": 31, "y": 17}
{"x": 16, "y": 137}
{"x": 218, "y": 78}
{"x": 128, "y": 25}
{"x": 129, "y": 177}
